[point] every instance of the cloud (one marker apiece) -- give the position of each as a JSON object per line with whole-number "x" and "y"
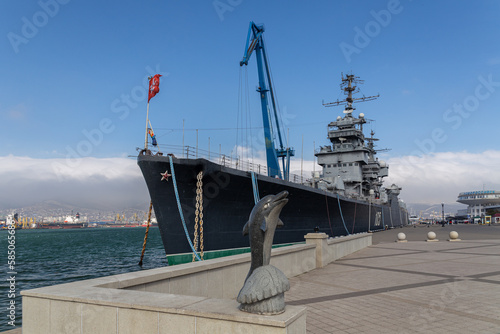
{"x": 440, "y": 177}
{"x": 111, "y": 183}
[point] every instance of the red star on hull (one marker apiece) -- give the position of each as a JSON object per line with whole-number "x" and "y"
{"x": 164, "y": 176}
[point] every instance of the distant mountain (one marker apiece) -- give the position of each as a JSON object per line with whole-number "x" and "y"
{"x": 426, "y": 209}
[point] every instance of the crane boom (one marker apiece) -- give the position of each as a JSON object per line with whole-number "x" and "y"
{"x": 255, "y": 43}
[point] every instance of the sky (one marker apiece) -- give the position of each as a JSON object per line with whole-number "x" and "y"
{"x": 73, "y": 83}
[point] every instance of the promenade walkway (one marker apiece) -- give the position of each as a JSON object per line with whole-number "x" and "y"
{"x": 413, "y": 287}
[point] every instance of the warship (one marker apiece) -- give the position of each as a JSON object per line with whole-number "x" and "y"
{"x": 202, "y": 203}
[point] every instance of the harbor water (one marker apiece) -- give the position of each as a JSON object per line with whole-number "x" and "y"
{"x": 50, "y": 257}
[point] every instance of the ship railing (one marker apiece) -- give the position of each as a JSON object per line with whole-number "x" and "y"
{"x": 237, "y": 162}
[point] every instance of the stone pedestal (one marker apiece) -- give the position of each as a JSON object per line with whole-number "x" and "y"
{"x": 320, "y": 240}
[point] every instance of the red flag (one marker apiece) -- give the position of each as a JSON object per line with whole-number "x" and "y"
{"x": 154, "y": 86}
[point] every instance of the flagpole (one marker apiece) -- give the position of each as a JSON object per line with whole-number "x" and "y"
{"x": 154, "y": 88}
{"x": 147, "y": 123}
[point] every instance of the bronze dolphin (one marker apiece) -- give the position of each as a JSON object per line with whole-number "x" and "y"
{"x": 261, "y": 225}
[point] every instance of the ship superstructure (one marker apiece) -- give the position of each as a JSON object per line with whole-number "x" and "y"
{"x": 349, "y": 164}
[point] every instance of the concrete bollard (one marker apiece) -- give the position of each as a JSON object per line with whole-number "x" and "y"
{"x": 454, "y": 236}
{"x": 431, "y": 236}
{"x": 401, "y": 237}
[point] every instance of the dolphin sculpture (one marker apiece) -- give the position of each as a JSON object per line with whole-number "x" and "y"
{"x": 265, "y": 285}
{"x": 261, "y": 226}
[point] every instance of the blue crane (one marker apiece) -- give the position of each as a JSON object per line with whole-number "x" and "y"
{"x": 255, "y": 42}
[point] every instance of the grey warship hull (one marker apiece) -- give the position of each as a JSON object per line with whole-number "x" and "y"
{"x": 228, "y": 198}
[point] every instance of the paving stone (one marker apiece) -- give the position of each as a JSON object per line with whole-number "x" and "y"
{"x": 416, "y": 287}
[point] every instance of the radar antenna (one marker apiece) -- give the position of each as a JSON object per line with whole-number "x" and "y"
{"x": 371, "y": 143}
{"x": 349, "y": 89}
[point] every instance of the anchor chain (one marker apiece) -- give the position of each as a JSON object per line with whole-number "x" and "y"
{"x": 147, "y": 231}
{"x": 201, "y": 225}
{"x": 198, "y": 219}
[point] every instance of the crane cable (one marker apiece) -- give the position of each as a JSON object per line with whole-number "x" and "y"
{"x": 279, "y": 116}
{"x": 239, "y": 110}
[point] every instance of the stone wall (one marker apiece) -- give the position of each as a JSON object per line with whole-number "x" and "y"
{"x": 191, "y": 298}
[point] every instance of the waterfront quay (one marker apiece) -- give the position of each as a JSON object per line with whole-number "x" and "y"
{"x": 412, "y": 287}
{"x": 388, "y": 287}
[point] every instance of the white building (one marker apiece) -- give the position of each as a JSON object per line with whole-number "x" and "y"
{"x": 479, "y": 201}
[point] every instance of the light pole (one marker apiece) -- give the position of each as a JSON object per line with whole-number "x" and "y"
{"x": 442, "y": 212}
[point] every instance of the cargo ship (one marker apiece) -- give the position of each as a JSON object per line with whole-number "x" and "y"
{"x": 203, "y": 203}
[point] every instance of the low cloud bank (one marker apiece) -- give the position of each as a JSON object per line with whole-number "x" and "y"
{"x": 440, "y": 177}
{"x": 116, "y": 183}
{"x": 111, "y": 183}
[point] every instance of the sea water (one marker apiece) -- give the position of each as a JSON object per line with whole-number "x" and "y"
{"x": 49, "y": 257}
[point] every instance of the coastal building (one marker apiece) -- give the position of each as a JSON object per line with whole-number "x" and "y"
{"x": 479, "y": 202}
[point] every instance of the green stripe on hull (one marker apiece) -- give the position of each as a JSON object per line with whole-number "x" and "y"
{"x": 188, "y": 257}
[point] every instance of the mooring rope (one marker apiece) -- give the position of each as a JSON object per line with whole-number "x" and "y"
{"x": 354, "y": 220}
{"x": 383, "y": 220}
{"x": 341, "y": 215}
{"x": 328, "y": 214}
{"x": 369, "y": 215}
{"x": 255, "y": 187}
{"x": 390, "y": 215}
{"x": 180, "y": 208}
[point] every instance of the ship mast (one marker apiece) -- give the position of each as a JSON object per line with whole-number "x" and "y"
{"x": 349, "y": 164}
{"x": 348, "y": 88}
